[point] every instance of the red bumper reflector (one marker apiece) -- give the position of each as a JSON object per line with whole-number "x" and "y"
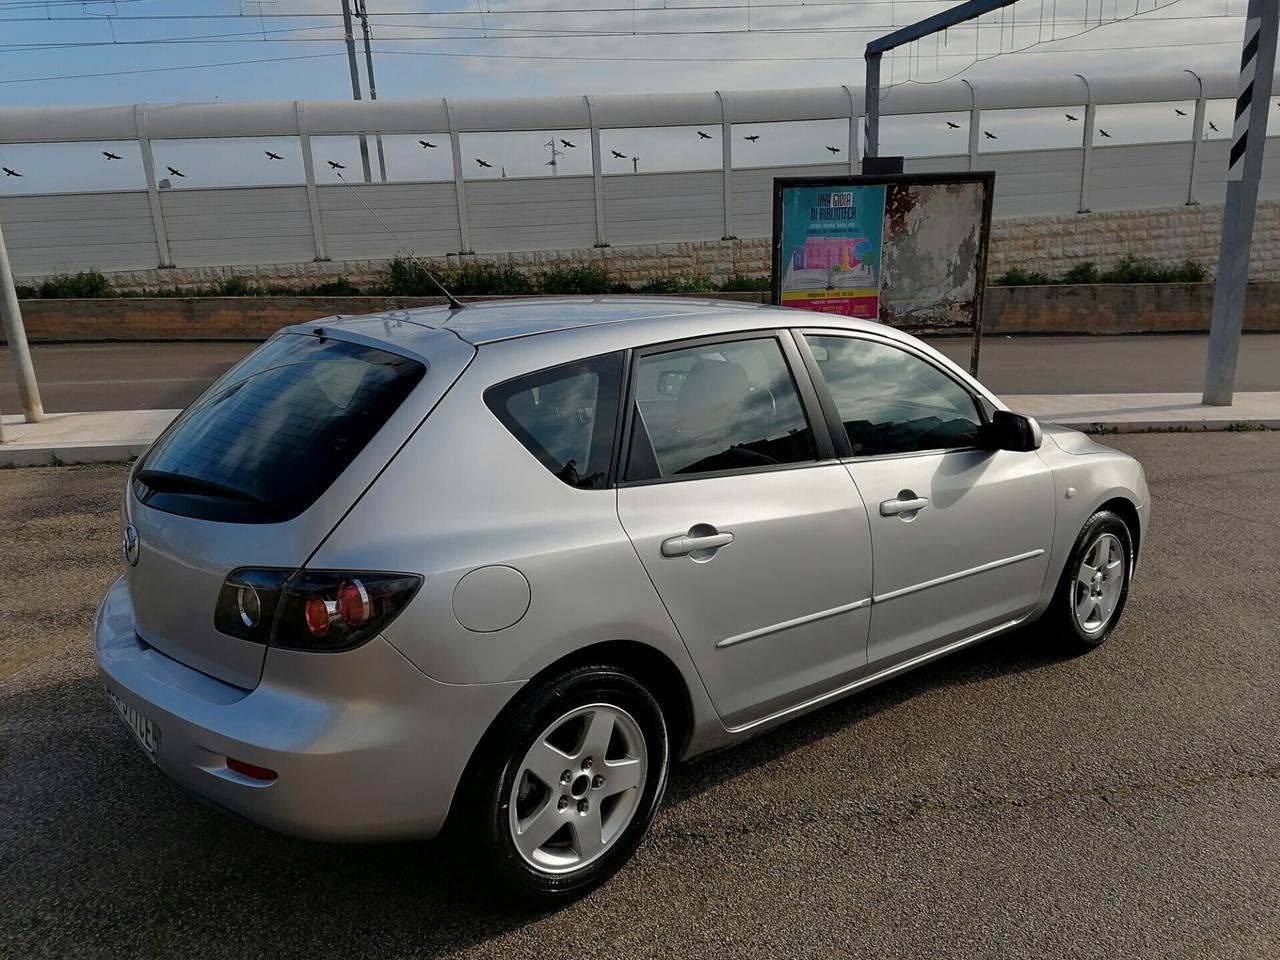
{"x": 250, "y": 770}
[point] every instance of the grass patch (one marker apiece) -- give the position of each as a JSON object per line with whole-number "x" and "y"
{"x": 1127, "y": 270}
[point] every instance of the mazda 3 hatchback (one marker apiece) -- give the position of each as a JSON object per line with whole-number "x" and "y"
{"x": 502, "y": 565}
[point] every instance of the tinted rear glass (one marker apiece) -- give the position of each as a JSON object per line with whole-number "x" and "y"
{"x": 275, "y": 431}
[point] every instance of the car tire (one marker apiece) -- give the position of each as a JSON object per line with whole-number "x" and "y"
{"x": 600, "y": 805}
{"x": 1095, "y": 584}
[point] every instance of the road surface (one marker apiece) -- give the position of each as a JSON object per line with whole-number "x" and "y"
{"x": 151, "y": 376}
{"x": 1003, "y": 802}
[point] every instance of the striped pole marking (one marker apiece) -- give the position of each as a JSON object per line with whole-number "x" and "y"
{"x": 1244, "y": 102}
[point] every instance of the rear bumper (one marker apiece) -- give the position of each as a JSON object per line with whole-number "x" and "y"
{"x": 365, "y": 745}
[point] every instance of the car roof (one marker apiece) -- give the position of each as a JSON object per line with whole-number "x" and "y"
{"x": 493, "y": 321}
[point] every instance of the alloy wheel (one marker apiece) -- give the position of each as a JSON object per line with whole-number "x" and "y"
{"x": 1099, "y": 583}
{"x": 578, "y": 788}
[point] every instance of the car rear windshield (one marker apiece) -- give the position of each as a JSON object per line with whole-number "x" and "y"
{"x": 275, "y": 431}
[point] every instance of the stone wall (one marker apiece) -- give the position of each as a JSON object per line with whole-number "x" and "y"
{"x": 1051, "y": 244}
{"x": 1105, "y": 308}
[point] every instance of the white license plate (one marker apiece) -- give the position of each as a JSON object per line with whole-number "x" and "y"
{"x": 144, "y": 731}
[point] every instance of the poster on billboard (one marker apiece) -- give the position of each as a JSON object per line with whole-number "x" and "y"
{"x": 907, "y": 250}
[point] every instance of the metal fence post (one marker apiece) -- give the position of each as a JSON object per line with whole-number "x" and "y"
{"x": 975, "y": 124}
{"x": 1197, "y": 134}
{"x": 597, "y": 176}
{"x": 309, "y": 171}
{"x": 459, "y": 187}
{"x": 1087, "y": 143}
{"x": 16, "y": 334}
{"x": 726, "y": 157}
{"x": 153, "y": 190}
{"x": 854, "y": 151}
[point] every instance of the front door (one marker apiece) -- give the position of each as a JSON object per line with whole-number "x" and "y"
{"x": 759, "y": 549}
{"x": 961, "y": 534}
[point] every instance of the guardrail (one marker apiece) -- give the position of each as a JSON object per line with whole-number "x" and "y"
{"x": 244, "y": 225}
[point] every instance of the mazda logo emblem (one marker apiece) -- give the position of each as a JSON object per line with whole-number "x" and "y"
{"x": 131, "y": 544}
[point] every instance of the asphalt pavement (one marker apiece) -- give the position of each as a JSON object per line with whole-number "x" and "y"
{"x": 157, "y": 376}
{"x": 1004, "y": 802}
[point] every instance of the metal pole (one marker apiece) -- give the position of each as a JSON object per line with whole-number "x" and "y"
{"x": 355, "y": 83}
{"x": 871, "y": 110}
{"x": 16, "y": 334}
{"x": 362, "y": 10}
{"x": 1244, "y": 170}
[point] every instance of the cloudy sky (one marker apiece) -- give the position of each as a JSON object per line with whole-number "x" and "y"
{"x": 124, "y": 51}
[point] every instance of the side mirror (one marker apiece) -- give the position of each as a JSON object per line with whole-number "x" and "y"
{"x": 1013, "y": 431}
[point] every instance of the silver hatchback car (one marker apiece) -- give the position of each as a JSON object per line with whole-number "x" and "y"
{"x": 502, "y": 565}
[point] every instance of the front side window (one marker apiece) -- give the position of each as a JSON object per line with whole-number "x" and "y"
{"x": 725, "y": 406}
{"x": 893, "y": 402}
{"x": 565, "y": 416}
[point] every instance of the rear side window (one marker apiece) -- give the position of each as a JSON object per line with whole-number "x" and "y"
{"x": 565, "y": 416}
{"x": 721, "y": 407}
{"x": 275, "y": 431}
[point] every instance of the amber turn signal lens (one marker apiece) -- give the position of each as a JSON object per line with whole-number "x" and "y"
{"x": 317, "y": 614}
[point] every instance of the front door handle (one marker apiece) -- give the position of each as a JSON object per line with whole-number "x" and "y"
{"x": 695, "y": 542}
{"x": 903, "y": 505}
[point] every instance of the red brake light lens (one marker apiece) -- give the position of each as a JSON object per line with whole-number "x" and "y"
{"x": 338, "y": 611}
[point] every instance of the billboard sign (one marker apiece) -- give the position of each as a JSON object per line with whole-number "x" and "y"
{"x": 908, "y": 250}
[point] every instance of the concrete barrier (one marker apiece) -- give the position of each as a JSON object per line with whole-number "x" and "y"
{"x": 1085, "y": 309}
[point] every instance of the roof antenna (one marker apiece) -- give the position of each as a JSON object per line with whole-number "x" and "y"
{"x": 454, "y": 302}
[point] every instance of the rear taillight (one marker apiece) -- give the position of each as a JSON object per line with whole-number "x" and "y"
{"x": 311, "y": 610}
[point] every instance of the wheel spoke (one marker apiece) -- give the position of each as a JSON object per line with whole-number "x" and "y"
{"x": 621, "y": 775}
{"x": 588, "y": 832}
{"x": 547, "y": 763}
{"x": 595, "y": 741}
{"x": 1083, "y": 606}
{"x": 538, "y": 828}
{"x": 1084, "y": 576}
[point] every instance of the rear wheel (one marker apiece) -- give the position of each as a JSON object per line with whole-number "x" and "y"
{"x": 566, "y": 786}
{"x": 1095, "y": 583}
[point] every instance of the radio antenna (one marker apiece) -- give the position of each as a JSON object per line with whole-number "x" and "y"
{"x": 454, "y": 302}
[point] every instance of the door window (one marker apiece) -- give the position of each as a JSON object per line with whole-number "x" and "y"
{"x": 720, "y": 407}
{"x": 565, "y": 416}
{"x": 893, "y": 402}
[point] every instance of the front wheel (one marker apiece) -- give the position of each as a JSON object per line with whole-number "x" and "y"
{"x": 566, "y": 787}
{"x": 1095, "y": 583}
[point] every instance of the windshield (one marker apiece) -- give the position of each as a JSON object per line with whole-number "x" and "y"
{"x": 275, "y": 431}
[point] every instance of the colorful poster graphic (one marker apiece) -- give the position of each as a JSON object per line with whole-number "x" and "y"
{"x": 831, "y": 239}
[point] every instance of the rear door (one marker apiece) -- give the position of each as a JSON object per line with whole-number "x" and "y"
{"x": 257, "y": 471}
{"x": 752, "y": 533}
{"x": 961, "y": 532}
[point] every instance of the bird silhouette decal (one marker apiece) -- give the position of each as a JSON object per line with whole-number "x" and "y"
{"x": 703, "y": 136}
{"x": 483, "y": 163}
{"x": 619, "y": 156}
{"x": 953, "y": 126}
{"x": 989, "y": 135}
{"x": 1181, "y": 113}
{"x": 571, "y": 146}
{"x": 335, "y": 164}
{"x": 272, "y": 156}
{"x": 427, "y": 145}
{"x": 1070, "y": 118}
{"x": 10, "y": 173}
{"x": 174, "y": 171}
{"x": 753, "y": 138}
{"x": 1213, "y": 127}
{"x": 833, "y": 149}
{"x": 110, "y": 156}
{"x": 1104, "y": 133}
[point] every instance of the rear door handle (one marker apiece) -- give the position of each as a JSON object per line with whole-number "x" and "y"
{"x": 687, "y": 543}
{"x": 891, "y": 508}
